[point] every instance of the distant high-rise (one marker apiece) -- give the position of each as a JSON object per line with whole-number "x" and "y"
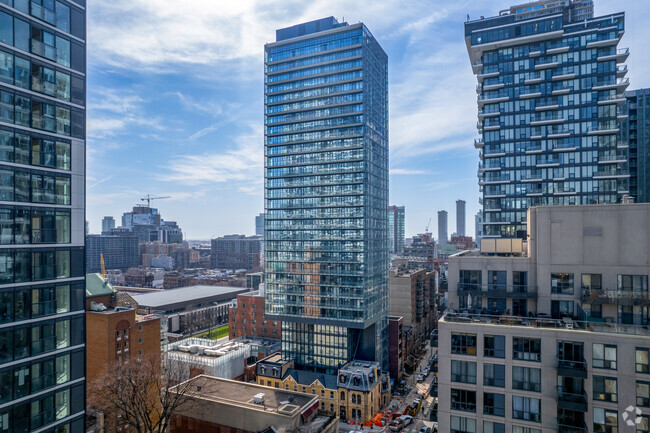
{"x": 635, "y": 129}
{"x": 396, "y": 229}
{"x": 42, "y": 207}
{"x": 236, "y": 252}
{"x": 259, "y": 225}
{"x": 550, "y": 81}
{"x": 108, "y": 224}
{"x": 443, "y": 237}
{"x": 326, "y": 184}
{"x": 460, "y": 217}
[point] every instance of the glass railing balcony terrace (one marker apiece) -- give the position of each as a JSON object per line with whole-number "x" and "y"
{"x": 490, "y": 177}
{"x": 616, "y": 297}
{"x": 561, "y": 72}
{"x": 42, "y": 13}
{"x": 546, "y": 118}
{"x": 533, "y": 191}
{"x": 537, "y": 175}
{"x": 617, "y": 97}
{"x": 489, "y": 122}
{"x": 491, "y": 150}
{"x": 571, "y": 396}
{"x": 621, "y": 82}
{"x": 529, "y": 147}
{"x": 621, "y": 70}
{"x": 616, "y": 157}
{"x": 605, "y": 173}
{"x": 548, "y": 161}
{"x": 557, "y": 131}
{"x": 492, "y": 96}
{"x": 570, "y": 428}
{"x": 479, "y": 143}
{"x": 489, "y": 70}
{"x": 622, "y": 144}
{"x": 560, "y": 88}
{"x": 547, "y": 102}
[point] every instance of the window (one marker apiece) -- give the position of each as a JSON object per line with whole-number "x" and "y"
{"x": 633, "y": 283}
{"x": 463, "y": 344}
{"x": 604, "y": 356}
{"x": 605, "y": 420}
{"x": 605, "y": 389}
{"x": 463, "y": 371}
{"x": 527, "y": 379}
{"x": 494, "y": 404}
{"x": 526, "y": 408}
{"x": 521, "y": 429}
{"x": 527, "y": 349}
{"x": 464, "y": 400}
{"x": 643, "y": 394}
{"x": 461, "y": 424}
{"x": 592, "y": 281}
{"x": 493, "y": 427}
{"x": 562, "y": 283}
{"x": 494, "y": 375}
{"x": 494, "y": 346}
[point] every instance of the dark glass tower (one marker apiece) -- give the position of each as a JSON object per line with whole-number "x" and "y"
{"x": 635, "y": 129}
{"x": 42, "y": 215}
{"x": 549, "y": 87}
{"x": 326, "y": 193}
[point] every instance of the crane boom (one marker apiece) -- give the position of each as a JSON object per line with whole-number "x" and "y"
{"x": 101, "y": 261}
{"x": 426, "y": 229}
{"x": 148, "y": 199}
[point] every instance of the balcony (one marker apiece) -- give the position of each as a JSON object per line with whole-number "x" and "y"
{"x": 532, "y": 177}
{"x": 547, "y": 104}
{"x": 572, "y": 367}
{"x": 533, "y": 78}
{"x": 482, "y": 114}
{"x": 479, "y": 143}
{"x": 620, "y": 144}
{"x": 565, "y": 191}
{"x": 620, "y": 55}
{"x": 603, "y": 128}
{"x": 536, "y": 148}
{"x": 564, "y": 147}
{"x": 559, "y": 49}
{"x": 501, "y": 291}
{"x": 561, "y": 132}
{"x": 602, "y": 41}
{"x": 491, "y": 124}
{"x": 490, "y": 165}
{"x": 620, "y": 84}
{"x": 527, "y": 94}
{"x": 615, "y": 297}
{"x": 548, "y": 162}
{"x": 571, "y": 400}
{"x": 494, "y": 86}
{"x": 612, "y": 159}
{"x": 494, "y": 180}
{"x": 621, "y": 71}
{"x": 571, "y": 428}
{"x": 544, "y": 64}
{"x": 611, "y": 174}
{"x": 491, "y": 99}
{"x": 487, "y": 73}
{"x": 561, "y": 90}
{"x": 618, "y": 99}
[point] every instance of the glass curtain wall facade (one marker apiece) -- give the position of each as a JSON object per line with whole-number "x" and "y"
{"x": 635, "y": 129}
{"x": 42, "y": 214}
{"x": 396, "y": 229}
{"x": 550, "y": 84}
{"x": 326, "y": 193}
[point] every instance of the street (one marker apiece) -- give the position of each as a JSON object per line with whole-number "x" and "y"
{"x": 419, "y": 420}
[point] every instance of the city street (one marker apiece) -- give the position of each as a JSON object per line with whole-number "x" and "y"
{"x": 419, "y": 420}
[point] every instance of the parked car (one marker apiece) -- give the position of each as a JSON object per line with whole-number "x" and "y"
{"x": 425, "y": 429}
{"x": 420, "y": 378}
{"x": 406, "y": 419}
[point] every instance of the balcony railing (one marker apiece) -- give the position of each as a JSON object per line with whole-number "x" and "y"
{"x": 571, "y": 400}
{"x": 497, "y": 291}
{"x": 572, "y": 367}
{"x": 615, "y": 297}
{"x": 570, "y": 428}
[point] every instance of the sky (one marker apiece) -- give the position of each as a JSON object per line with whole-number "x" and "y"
{"x": 176, "y": 108}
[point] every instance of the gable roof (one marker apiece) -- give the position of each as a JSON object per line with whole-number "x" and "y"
{"x": 307, "y": 378}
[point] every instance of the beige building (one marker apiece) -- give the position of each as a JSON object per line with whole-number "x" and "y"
{"x": 357, "y": 393}
{"x": 410, "y": 293}
{"x": 222, "y": 405}
{"x": 551, "y": 335}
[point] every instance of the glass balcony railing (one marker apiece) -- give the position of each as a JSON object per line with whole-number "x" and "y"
{"x": 571, "y": 399}
{"x": 615, "y": 297}
{"x": 497, "y": 290}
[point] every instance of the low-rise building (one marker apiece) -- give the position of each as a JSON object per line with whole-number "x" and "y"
{"x": 357, "y": 393}
{"x": 247, "y": 318}
{"x": 229, "y": 406}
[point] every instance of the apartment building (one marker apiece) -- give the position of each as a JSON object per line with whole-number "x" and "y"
{"x": 551, "y": 335}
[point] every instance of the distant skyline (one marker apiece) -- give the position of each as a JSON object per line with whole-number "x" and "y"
{"x": 175, "y": 104}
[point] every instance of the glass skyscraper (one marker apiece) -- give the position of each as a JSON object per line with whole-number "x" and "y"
{"x": 550, "y": 83}
{"x": 396, "y": 229}
{"x": 635, "y": 129}
{"x": 326, "y": 193}
{"x": 42, "y": 215}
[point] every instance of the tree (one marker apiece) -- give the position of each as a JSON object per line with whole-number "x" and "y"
{"x": 135, "y": 395}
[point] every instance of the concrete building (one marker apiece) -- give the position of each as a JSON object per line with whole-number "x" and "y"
{"x": 248, "y": 319}
{"x": 226, "y": 359}
{"x": 357, "y": 393}
{"x": 460, "y": 217}
{"x": 119, "y": 251}
{"x": 548, "y": 124}
{"x": 230, "y": 406}
{"x": 635, "y": 130}
{"x": 396, "y": 229}
{"x": 561, "y": 341}
{"x": 42, "y": 215}
{"x": 259, "y": 225}
{"x": 236, "y": 252}
{"x": 410, "y": 291}
{"x": 326, "y": 189}
{"x": 190, "y": 309}
{"x": 108, "y": 224}
{"x": 443, "y": 237}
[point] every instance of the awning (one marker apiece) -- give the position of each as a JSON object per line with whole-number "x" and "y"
{"x": 309, "y": 411}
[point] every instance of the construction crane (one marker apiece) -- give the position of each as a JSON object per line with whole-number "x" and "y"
{"x": 101, "y": 262}
{"x": 148, "y": 199}
{"x": 426, "y": 229}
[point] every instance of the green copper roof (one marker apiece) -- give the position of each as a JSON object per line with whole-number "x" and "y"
{"x": 96, "y": 285}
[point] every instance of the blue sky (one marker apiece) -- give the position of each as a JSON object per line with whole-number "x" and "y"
{"x": 175, "y": 103}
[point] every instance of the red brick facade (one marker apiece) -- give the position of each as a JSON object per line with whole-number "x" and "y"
{"x": 248, "y": 319}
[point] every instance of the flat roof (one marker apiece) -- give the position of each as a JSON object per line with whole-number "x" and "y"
{"x": 232, "y": 392}
{"x": 184, "y": 296}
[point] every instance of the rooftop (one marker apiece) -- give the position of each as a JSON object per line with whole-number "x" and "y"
{"x": 358, "y": 375}
{"x": 235, "y": 393}
{"x": 96, "y": 285}
{"x": 197, "y": 294}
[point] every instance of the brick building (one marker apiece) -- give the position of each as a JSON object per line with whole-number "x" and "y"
{"x": 248, "y": 319}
